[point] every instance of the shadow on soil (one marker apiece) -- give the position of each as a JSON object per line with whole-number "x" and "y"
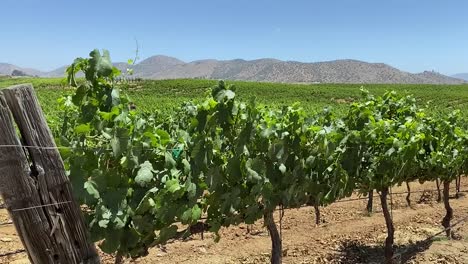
{"x": 353, "y": 251}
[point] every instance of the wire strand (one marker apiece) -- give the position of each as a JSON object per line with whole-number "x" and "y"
{"x": 40, "y": 206}
{"x": 62, "y": 147}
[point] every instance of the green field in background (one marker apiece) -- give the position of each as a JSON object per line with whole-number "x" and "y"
{"x": 166, "y": 95}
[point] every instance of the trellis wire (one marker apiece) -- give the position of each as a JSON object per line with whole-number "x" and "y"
{"x": 72, "y": 148}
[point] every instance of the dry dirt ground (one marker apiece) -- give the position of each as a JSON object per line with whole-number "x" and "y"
{"x": 347, "y": 235}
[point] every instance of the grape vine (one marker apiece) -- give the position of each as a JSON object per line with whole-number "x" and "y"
{"x": 144, "y": 178}
{"x": 130, "y": 173}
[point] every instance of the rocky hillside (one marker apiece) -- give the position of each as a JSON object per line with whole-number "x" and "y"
{"x": 9, "y": 69}
{"x": 269, "y": 70}
{"x": 463, "y": 76}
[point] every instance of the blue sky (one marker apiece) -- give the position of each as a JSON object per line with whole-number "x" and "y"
{"x": 411, "y": 35}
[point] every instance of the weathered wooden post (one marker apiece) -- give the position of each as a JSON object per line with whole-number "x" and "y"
{"x": 34, "y": 186}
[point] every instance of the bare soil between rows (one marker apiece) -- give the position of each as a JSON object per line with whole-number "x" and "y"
{"x": 347, "y": 234}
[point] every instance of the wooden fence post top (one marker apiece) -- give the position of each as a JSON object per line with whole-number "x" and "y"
{"x": 23, "y": 91}
{"x": 18, "y": 88}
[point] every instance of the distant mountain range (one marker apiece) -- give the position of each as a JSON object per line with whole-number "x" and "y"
{"x": 463, "y": 76}
{"x": 9, "y": 69}
{"x": 268, "y": 70}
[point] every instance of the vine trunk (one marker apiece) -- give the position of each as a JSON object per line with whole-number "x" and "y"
{"x": 370, "y": 202}
{"x": 390, "y": 229}
{"x": 448, "y": 209}
{"x": 276, "y": 244}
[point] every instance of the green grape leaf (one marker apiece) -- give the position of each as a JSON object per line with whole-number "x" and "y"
{"x": 80, "y": 93}
{"x": 77, "y": 179}
{"x": 108, "y": 116}
{"x": 83, "y": 129}
{"x": 186, "y": 216}
{"x": 225, "y": 95}
{"x": 145, "y": 174}
{"x": 143, "y": 223}
{"x": 91, "y": 188}
{"x": 164, "y": 137}
{"x": 170, "y": 162}
{"x": 101, "y": 64}
{"x": 282, "y": 168}
{"x": 115, "y": 94}
{"x": 111, "y": 241}
{"x": 196, "y": 213}
{"x": 191, "y": 189}
{"x": 131, "y": 238}
{"x": 172, "y": 185}
{"x": 253, "y": 175}
{"x": 119, "y": 142}
{"x": 103, "y": 223}
{"x": 187, "y": 166}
